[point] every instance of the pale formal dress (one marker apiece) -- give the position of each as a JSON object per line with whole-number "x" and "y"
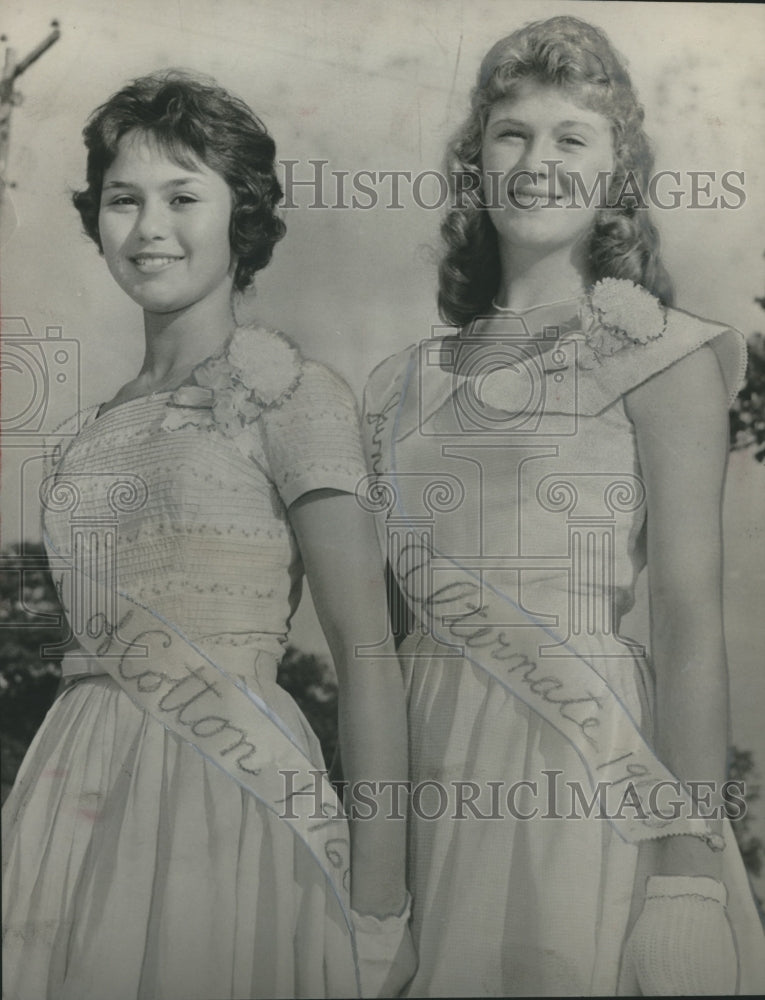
{"x": 533, "y": 485}
{"x": 133, "y": 868}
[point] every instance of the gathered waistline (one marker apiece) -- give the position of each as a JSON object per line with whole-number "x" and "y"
{"x": 247, "y": 662}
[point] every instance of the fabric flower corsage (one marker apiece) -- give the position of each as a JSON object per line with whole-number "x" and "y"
{"x": 256, "y": 370}
{"x": 617, "y": 314}
{"x": 189, "y": 406}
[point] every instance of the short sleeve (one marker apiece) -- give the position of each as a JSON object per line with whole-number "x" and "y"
{"x": 383, "y": 405}
{"x": 312, "y": 438}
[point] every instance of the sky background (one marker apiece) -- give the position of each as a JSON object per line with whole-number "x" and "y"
{"x": 375, "y": 86}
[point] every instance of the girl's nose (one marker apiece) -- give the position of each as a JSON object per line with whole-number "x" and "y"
{"x": 538, "y": 158}
{"x": 152, "y": 222}
{"x": 537, "y": 171}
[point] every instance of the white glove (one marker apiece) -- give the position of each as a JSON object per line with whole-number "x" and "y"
{"x": 682, "y": 943}
{"x": 387, "y": 959}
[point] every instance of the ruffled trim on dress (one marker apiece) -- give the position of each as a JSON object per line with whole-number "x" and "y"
{"x": 257, "y": 370}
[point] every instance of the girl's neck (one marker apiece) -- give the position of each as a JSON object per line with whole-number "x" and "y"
{"x": 183, "y": 339}
{"x": 531, "y": 278}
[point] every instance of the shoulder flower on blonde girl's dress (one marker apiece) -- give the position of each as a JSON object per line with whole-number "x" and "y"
{"x": 616, "y": 314}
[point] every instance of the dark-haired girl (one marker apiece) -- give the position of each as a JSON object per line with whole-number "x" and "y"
{"x": 171, "y": 834}
{"x": 567, "y": 829}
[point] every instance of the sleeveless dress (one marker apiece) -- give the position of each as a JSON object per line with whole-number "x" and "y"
{"x": 136, "y": 863}
{"x": 511, "y": 503}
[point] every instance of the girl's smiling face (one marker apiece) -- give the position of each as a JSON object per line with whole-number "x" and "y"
{"x": 164, "y": 227}
{"x": 542, "y": 155}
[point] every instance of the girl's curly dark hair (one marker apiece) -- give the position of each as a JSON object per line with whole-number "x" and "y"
{"x": 577, "y": 56}
{"x": 190, "y": 117}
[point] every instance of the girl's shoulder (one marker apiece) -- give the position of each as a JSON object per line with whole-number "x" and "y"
{"x": 259, "y": 363}
{"x": 295, "y": 417}
{"x": 259, "y": 378}
{"x": 265, "y": 366}
{"x": 627, "y": 336}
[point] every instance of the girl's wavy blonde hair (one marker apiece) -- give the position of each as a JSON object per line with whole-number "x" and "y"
{"x": 576, "y": 56}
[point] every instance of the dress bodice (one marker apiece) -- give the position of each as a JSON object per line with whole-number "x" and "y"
{"x": 194, "y": 499}
{"x": 508, "y": 445}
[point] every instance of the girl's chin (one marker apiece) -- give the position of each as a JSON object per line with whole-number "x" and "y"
{"x": 541, "y": 227}
{"x": 159, "y": 307}
{"x": 539, "y": 236}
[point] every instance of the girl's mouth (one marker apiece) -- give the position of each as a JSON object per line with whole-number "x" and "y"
{"x": 534, "y": 198}
{"x": 149, "y": 263}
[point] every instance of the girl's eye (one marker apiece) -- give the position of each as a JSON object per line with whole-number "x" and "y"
{"x": 571, "y": 140}
{"x": 122, "y": 201}
{"x": 511, "y": 133}
{"x": 183, "y": 199}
